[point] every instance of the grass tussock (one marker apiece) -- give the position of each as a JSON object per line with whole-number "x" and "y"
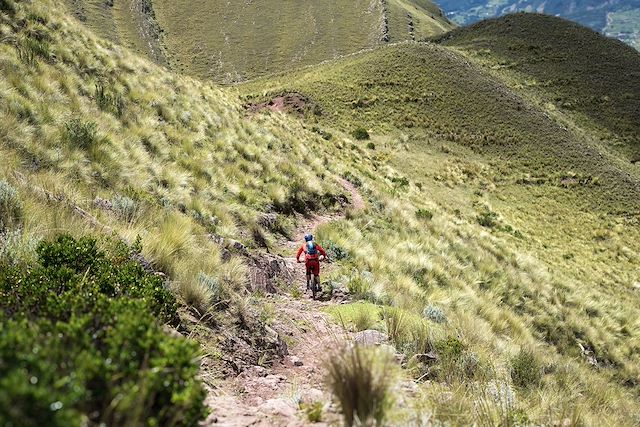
{"x": 362, "y": 380}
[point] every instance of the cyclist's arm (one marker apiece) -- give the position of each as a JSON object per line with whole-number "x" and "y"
{"x": 299, "y": 253}
{"x": 322, "y": 251}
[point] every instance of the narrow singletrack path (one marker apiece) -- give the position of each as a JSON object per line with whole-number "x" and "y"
{"x": 272, "y": 396}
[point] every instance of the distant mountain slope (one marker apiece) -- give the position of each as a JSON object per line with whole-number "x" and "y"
{"x": 571, "y": 67}
{"x": 615, "y": 18}
{"x": 235, "y": 41}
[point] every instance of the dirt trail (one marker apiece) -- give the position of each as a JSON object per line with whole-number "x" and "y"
{"x": 272, "y": 396}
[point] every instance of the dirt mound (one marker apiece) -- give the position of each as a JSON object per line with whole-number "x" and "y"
{"x": 291, "y": 103}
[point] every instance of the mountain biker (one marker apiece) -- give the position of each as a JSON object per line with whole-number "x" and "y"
{"x": 312, "y": 252}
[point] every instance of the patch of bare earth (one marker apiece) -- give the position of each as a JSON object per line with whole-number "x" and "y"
{"x": 292, "y": 103}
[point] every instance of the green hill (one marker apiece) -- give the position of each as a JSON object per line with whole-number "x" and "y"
{"x": 236, "y": 41}
{"x": 568, "y": 66}
{"x": 497, "y": 245}
{"x": 428, "y": 89}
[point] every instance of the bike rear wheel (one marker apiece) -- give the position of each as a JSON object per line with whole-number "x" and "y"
{"x": 315, "y": 285}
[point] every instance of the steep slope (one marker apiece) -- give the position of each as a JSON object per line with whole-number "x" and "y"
{"x": 505, "y": 301}
{"x": 130, "y": 23}
{"x": 235, "y": 41}
{"x": 615, "y": 18}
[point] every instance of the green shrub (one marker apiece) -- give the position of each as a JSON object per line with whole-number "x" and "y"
{"x": 424, "y": 214}
{"x": 7, "y": 6}
{"x": 81, "y": 342}
{"x": 371, "y": 146}
{"x": 10, "y": 207}
{"x": 324, "y": 134}
{"x": 360, "y": 134}
{"x": 124, "y": 207}
{"x": 526, "y": 370}
{"x": 487, "y": 218}
{"x": 336, "y": 252}
{"x": 352, "y": 179}
{"x": 81, "y": 134}
{"x": 361, "y": 379}
{"x": 435, "y": 314}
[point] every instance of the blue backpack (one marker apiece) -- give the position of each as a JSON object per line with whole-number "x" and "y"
{"x": 311, "y": 248}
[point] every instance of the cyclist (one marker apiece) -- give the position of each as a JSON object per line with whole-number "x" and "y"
{"x": 312, "y": 252}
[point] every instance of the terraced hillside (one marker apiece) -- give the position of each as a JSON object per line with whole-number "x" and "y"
{"x": 235, "y": 41}
{"x": 488, "y": 239}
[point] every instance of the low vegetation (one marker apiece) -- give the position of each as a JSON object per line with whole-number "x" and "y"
{"x": 362, "y": 379}
{"x": 82, "y": 342}
{"x": 496, "y": 248}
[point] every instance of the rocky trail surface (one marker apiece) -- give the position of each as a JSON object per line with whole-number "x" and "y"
{"x": 280, "y": 394}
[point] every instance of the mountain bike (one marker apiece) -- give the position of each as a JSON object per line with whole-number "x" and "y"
{"x": 313, "y": 280}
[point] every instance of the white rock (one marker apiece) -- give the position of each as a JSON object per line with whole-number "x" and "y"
{"x": 370, "y": 337}
{"x": 311, "y": 395}
{"x": 278, "y": 407}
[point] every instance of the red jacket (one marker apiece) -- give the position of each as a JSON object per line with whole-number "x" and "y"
{"x": 308, "y": 257}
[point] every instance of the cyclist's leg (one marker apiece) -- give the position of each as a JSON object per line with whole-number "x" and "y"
{"x": 308, "y": 270}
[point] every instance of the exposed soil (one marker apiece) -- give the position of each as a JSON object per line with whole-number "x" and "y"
{"x": 292, "y": 103}
{"x": 277, "y": 395}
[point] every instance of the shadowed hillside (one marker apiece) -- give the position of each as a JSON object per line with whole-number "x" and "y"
{"x": 570, "y": 66}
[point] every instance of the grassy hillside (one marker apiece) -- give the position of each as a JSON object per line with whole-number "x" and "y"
{"x": 592, "y": 78}
{"x": 422, "y": 88}
{"x": 414, "y": 20}
{"x": 456, "y": 144}
{"x": 236, "y": 41}
{"x": 473, "y": 245}
{"x": 130, "y": 23}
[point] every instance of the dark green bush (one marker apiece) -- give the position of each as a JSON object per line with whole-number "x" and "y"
{"x": 335, "y": 251}
{"x": 360, "y": 134}
{"x": 526, "y": 370}
{"x": 81, "y": 134}
{"x": 424, "y": 214}
{"x": 352, "y": 179}
{"x": 324, "y": 134}
{"x": 81, "y": 341}
{"x": 487, "y": 218}
{"x": 7, "y": 6}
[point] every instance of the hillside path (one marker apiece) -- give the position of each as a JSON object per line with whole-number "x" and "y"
{"x": 274, "y": 396}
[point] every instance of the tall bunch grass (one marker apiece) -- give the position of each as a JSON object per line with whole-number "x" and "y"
{"x": 362, "y": 379}
{"x": 11, "y": 210}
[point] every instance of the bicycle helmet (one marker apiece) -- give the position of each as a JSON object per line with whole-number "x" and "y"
{"x": 308, "y": 237}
